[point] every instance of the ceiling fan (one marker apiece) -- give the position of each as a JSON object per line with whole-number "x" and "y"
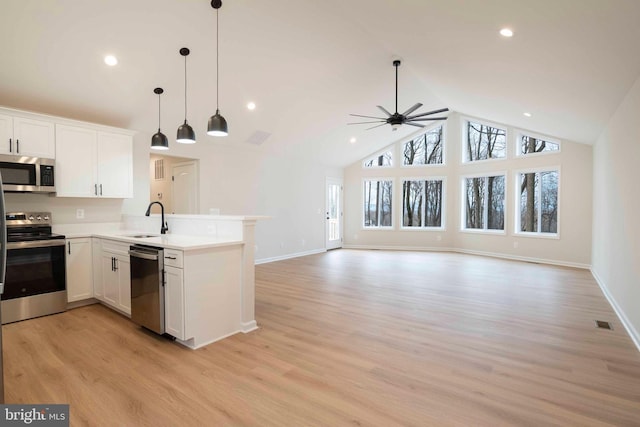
{"x": 396, "y": 119}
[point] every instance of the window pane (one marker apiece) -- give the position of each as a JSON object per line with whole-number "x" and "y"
{"x": 412, "y": 204}
{"x": 433, "y": 209}
{"x": 426, "y": 149}
{"x": 370, "y": 203}
{"x": 529, "y": 144}
{"x": 549, "y": 202}
{"x": 495, "y": 212}
{"x": 385, "y": 203}
{"x": 529, "y": 202}
{"x": 485, "y": 142}
{"x": 384, "y": 159}
{"x": 377, "y": 203}
{"x": 475, "y": 202}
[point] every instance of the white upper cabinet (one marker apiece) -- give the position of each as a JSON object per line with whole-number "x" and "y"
{"x": 93, "y": 163}
{"x": 21, "y": 136}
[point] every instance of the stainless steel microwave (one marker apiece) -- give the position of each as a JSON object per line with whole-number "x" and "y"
{"x": 27, "y": 174}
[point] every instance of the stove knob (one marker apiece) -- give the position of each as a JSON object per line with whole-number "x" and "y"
{"x": 39, "y": 218}
{"x": 31, "y": 218}
{"x": 46, "y": 217}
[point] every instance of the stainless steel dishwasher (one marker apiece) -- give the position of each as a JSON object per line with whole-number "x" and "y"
{"x": 147, "y": 287}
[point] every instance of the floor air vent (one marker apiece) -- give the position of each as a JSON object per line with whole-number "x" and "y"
{"x": 603, "y": 325}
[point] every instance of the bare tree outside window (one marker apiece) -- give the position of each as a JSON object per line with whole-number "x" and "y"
{"x": 384, "y": 159}
{"x": 378, "y": 203}
{"x": 425, "y": 149}
{"x": 484, "y": 203}
{"x": 422, "y": 203}
{"x": 484, "y": 142}
{"x": 530, "y": 145}
{"x": 539, "y": 202}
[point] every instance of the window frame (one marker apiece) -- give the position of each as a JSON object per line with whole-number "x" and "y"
{"x": 516, "y": 226}
{"x": 393, "y": 208}
{"x": 464, "y": 133}
{"x": 463, "y": 203}
{"x": 443, "y": 201}
{"x": 391, "y": 150}
{"x": 520, "y": 133}
{"x": 424, "y": 132}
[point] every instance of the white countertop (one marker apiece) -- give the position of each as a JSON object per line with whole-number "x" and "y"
{"x": 169, "y": 241}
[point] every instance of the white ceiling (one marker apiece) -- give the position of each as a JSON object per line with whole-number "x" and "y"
{"x": 307, "y": 64}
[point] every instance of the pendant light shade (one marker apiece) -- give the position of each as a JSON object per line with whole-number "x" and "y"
{"x": 186, "y": 135}
{"x": 217, "y": 125}
{"x": 159, "y": 141}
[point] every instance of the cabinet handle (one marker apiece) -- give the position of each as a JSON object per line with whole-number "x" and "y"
{"x": 101, "y": 189}
{"x": 95, "y": 189}
{"x": 170, "y": 257}
{"x": 164, "y": 277}
{"x": 10, "y": 145}
{"x": 18, "y": 146}
{"x": 69, "y": 247}
{"x": 115, "y": 263}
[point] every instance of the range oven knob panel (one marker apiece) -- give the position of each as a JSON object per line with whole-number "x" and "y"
{"x": 30, "y": 217}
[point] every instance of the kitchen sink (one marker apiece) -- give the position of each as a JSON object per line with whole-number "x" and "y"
{"x": 143, "y": 236}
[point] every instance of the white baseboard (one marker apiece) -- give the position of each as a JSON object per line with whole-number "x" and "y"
{"x": 247, "y": 327}
{"x": 399, "y": 248}
{"x": 633, "y": 333}
{"x": 289, "y": 256}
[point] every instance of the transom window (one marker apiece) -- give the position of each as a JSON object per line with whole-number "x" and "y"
{"x": 483, "y": 204}
{"x": 425, "y": 149}
{"x": 528, "y": 144}
{"x": 378, "y": 203}
{"x": 483, "y": 142}
{"x": 381, "y": 160}
{"x": 538, "y": 202}
{"x": 422, "y": 203}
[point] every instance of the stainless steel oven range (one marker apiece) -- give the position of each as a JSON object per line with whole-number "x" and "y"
{"x": 35, "y": 281}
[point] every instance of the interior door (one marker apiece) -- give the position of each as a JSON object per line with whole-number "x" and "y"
{"x": 185, "y": 188}
{"x": 333, "y": 213}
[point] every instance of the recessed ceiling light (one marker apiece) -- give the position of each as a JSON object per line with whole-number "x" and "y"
{"x": 352, "y": 140}
{"x": 527, "y": 114}
{"x": 251, "y": 106}
{"x": 110, "y": 60}
{"x": 506, "y": 32}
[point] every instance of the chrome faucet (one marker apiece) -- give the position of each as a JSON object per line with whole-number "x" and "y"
{"x": 164, "y": 227}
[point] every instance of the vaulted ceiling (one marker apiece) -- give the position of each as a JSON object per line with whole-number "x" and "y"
{"x": 307, "y": 64}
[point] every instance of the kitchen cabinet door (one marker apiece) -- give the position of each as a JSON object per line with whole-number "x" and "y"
{"x": 110, "y": 279}
{"x": 6, "y": 134}
{"x": 174, "y": 302}
{"x": 76, "y": 162}
{"x": 34, "y": 138}
{"x": 115, "y": 165}
{"x": 123, "y": 270}
{"x": 79, "y": 271}
{"x": 98, "y": 288}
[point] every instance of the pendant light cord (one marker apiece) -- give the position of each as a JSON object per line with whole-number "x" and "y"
{"x": 217, "y": 60}
{"x": 158, "y": 112}
{"x": 396, "y": 89}
{"x": 185, "y": 88}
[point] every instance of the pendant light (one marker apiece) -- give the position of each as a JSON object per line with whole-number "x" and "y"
{"x": 159, "y": 141}
{"x": 217, "y": 125}
{"x": 186, "y": 135}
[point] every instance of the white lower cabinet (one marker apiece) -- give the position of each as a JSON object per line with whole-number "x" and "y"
{"x": 79, "y": 269}
{"x": 174, "y": 302}
{"x": 115, "y": 279}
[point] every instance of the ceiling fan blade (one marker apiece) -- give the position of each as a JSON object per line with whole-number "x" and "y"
{"x": 412, "y": 109}
{"x": 443, "y": 110}
{"x": 425, "y": 119}
{"x": 384, "y": 122}
{"x": 368, "y": 117}
{"x": 373, "y": 127}
{"x": 413, "y": 124}
{"x": 385, "y": 111}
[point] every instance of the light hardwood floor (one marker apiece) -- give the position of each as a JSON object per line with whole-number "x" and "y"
{"x": 352, "y": 338}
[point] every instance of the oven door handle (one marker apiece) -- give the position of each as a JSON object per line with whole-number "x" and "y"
{"x": 143, "y": 255}
{"x": 35, "y": 244}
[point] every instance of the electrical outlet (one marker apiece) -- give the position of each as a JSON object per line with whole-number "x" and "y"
{"x": 79, "y": 213}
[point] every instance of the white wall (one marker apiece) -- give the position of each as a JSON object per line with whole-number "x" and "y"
{"x": 572, "y": 248}
{"x": 616, "y": 208}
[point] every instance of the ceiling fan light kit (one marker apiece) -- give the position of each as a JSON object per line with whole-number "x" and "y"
{"x": 396, "y": 120}
{"x": 217, "y": 125}
{"x": 185, "y": 135}
{"x": 159, "y": 140}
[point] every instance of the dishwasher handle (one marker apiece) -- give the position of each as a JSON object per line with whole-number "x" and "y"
{"x": 143, "y": 255}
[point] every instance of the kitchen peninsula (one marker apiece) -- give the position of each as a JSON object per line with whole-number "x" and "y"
{"x": 209, "y": 271}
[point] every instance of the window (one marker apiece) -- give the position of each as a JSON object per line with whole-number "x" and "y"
{"x": 484, "y": 203}
{"x": 422, "y": 203}
{"x": 538, "y": 202}
{"x": 483, "y": 142}
{"x": 377, "y": 203}
{"x": 528, "y": 144}
{"x": 383, "y": 160}
{"x": 426, "y": 149}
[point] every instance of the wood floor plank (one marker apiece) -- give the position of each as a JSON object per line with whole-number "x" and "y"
{"x": 352, "y": 337}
